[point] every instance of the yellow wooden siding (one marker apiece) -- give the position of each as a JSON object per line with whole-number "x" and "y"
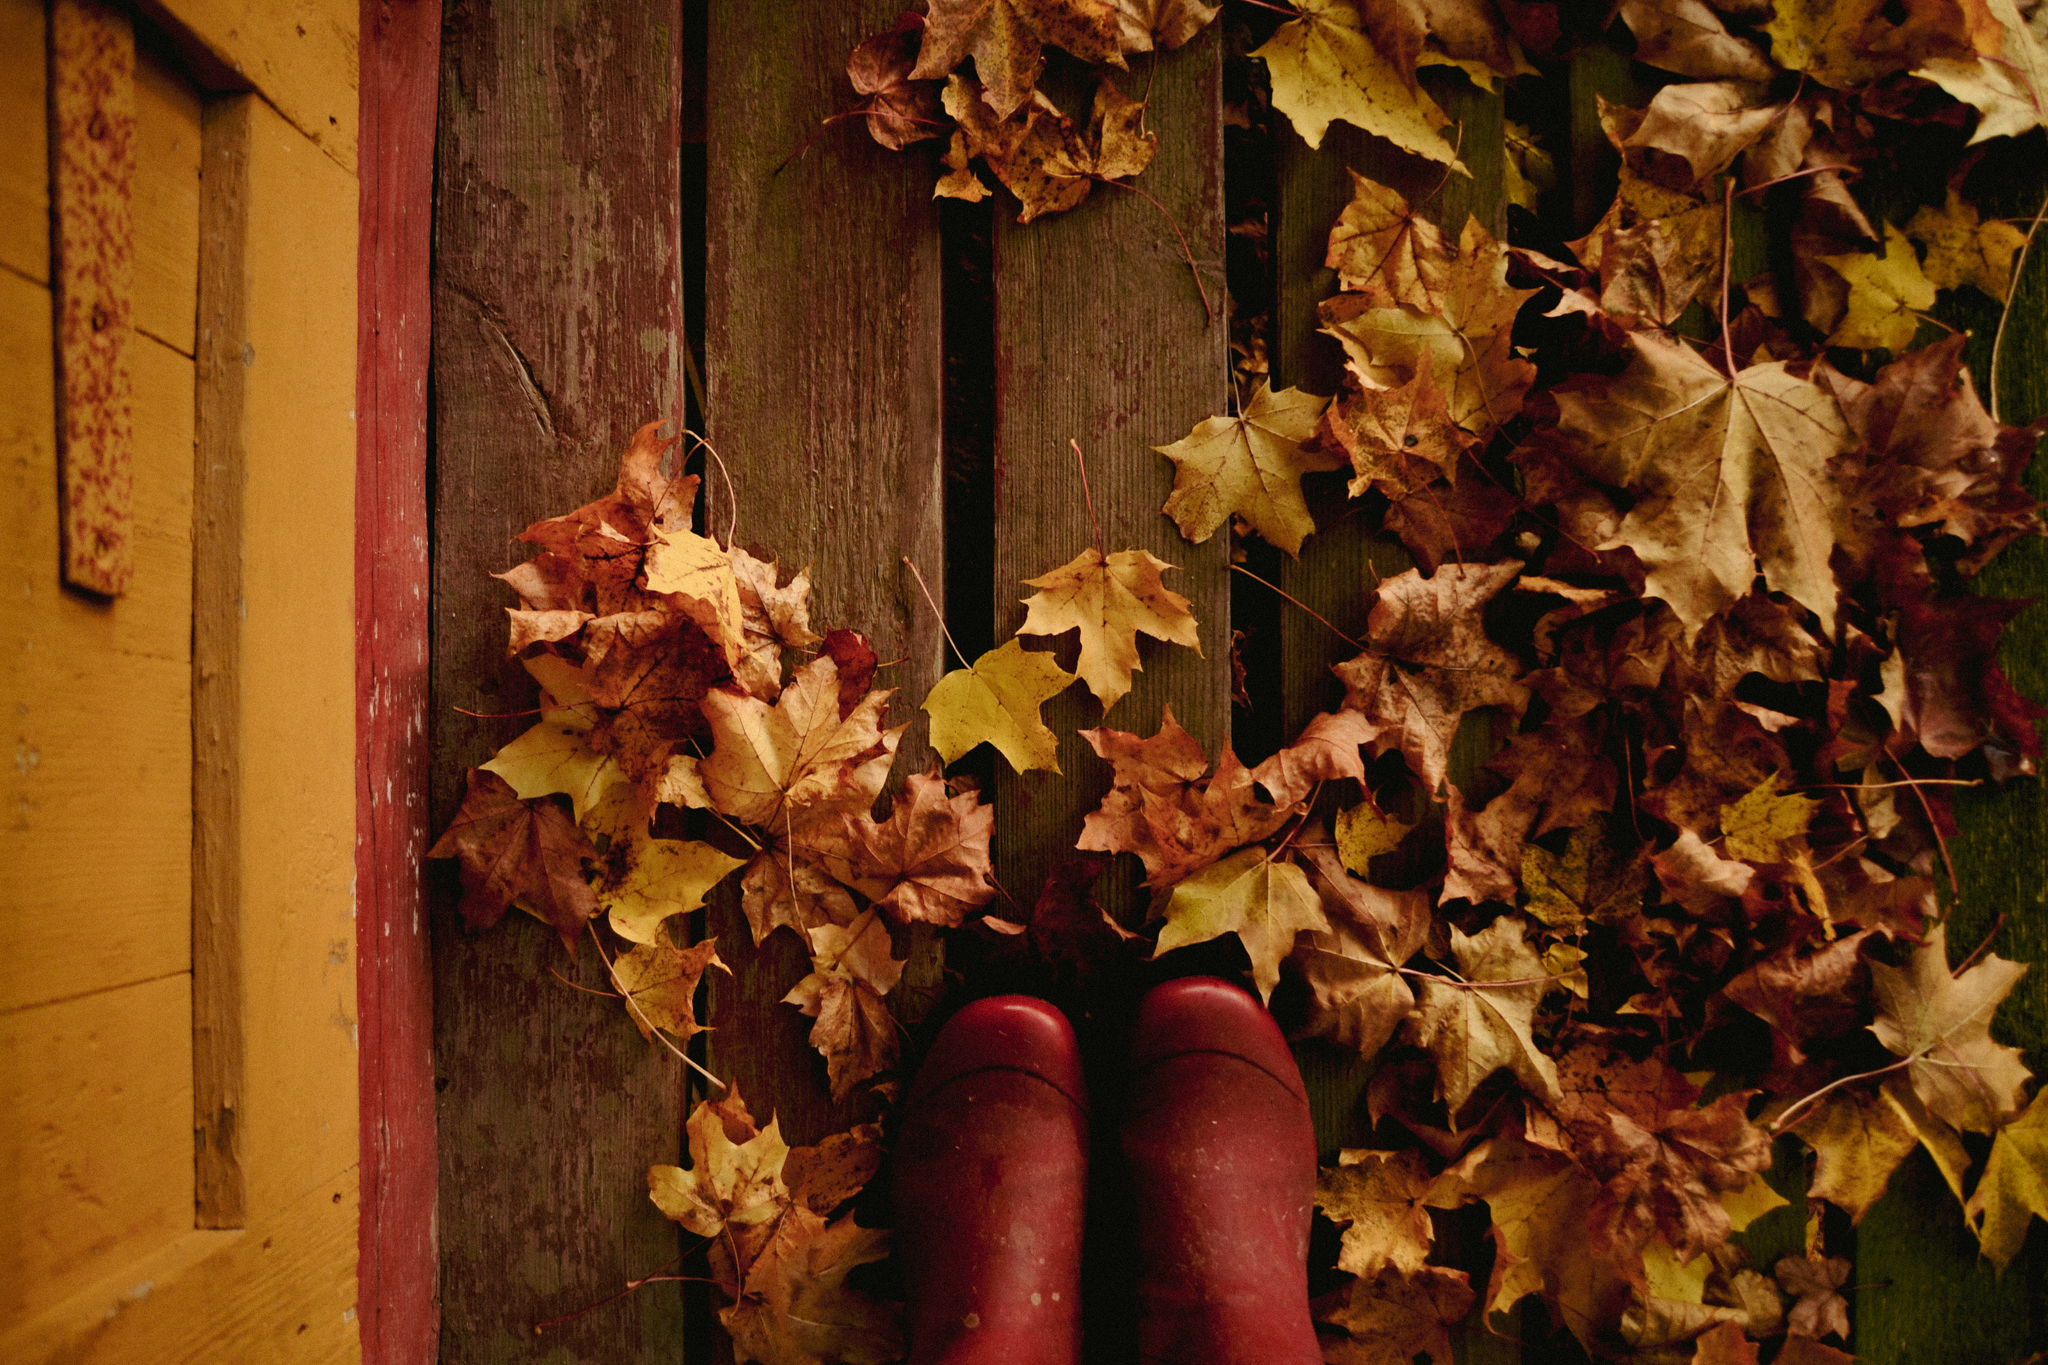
{"x": 166, "y": 203}
{"x": 298, "y": 670}
{"x": 24, "y": 160}
{"x": 300, "y": 54}
{"x": 96, "y": 1152}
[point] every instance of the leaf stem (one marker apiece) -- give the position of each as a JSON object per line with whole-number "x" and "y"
{"x": 1089, "y": 496}
{"x": 641, "y": 1014}
{"x": 935, "y": 611}
{"x": 1239, "y": 568}
{"x": 1187, "y": 252}
{"x": 1784, "y": 1119}
{"x": 1727, "y": 259}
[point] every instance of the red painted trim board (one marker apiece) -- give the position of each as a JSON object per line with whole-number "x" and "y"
{"x": 398, "y": 1299}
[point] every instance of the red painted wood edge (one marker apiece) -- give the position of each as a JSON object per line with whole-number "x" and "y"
{"x": 398, "y": 1273}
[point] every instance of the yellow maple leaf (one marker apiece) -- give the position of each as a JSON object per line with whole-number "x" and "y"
{"x": 1961, "y": 249}
{"x": 728, "y": 1182}
{"x": 2014, "y": 1188}
{"x": 1763, "y": 826}
{"x": 1250, "y": 466}
{"x": 1109, "y": 601}
{"x": 660, "y": 983}
{"x": 1363, "y": 833}
{"x": 1378, "y": 1196}
{"x": 996, "y": 699}
{"x": 1265, "y": 903}
{"x": 657, "y": 878}
{"x": 1324, "y": 67}
{"x": 694, "y": 569}
{"x": 1886, "y": 294}
{"x": 798, "y": 754}
{"x": 554, "y": 757}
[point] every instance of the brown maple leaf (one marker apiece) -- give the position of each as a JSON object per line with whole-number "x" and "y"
{"x": 1816, "y": 1283}
{"x": 601, "y": 545}
{"x": 1429, "y": 661}
{"x": 851, "y": 970}
{"x": 1357, "y": 993}
{"x": 1326, "y": 750}
{"x": 1382, "y": 248}
{"x": 1007, "y": 39}
{"x": 781, "y": 886}
{"x": 1483, "y": 1023}
{"x": 1730, "y": 476}
{"x": 801, "y": 754}
{"x": 659, "y": 981}
{"x": 1942, "y": 1023}
{"x": 1663, "y": 1159}
{"x": 1686, "y": 36}
{"x": 1377, "y": 1198}
{"x": 1399, "y": 440}
{"x": 1153, "y": 25}
{"x": 1701, "y": 127}
{"x": 1250, "y": 467}
{"x": 773, "y": 617}
{"x": 529, "y": 852}
{"x": 1858, "y": 1139}
{"x": 795, "y": 1308}
{"x": 900, "y": 111}
{"x": 1265, "y": 902}
{"x": 927, "y": 862}
{"x": 1398, "y": 1316}
{"x": 1041, "y": 157}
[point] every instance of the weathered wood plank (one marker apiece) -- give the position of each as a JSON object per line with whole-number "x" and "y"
{"x": 24, "y": 157}
{"x": 823, "y": 363}
{"x": 556, "y": 303}
{"x": 301, "y": 54}
{"x": 167, "y": 140}
{"x": 1101, "y": 339}
{"x": 399, "y": 1256}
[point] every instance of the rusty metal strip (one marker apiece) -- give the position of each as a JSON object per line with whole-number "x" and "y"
{"x": 92, "y": 176}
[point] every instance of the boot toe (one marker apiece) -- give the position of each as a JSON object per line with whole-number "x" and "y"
{"x": 1208, "y": 1014}
{"x": 1010, "y": 1033}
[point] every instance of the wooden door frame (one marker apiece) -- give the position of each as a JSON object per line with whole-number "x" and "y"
{"x": 398, "y": 1274}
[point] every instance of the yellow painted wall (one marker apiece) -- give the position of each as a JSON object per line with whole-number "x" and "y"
{"x": 101, "y": 1258}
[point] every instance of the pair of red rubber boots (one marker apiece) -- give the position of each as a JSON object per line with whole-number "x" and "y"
{"x": 992, "y": 1175}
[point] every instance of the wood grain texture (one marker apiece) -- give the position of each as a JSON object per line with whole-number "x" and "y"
{"x": 823, "y": 366}
{"x": 167, "y": 137}
{"x": 220, "y": 476}
{"x": 280, "y": 1293}
{"x": 398, "y": 1253}
{"x": 97, "y": 1163}
{"x": 24, "y": 156}
{"x": 301, "y": 54}
{"x": 556, "y": 335}
{"x": 1101, "y": 339}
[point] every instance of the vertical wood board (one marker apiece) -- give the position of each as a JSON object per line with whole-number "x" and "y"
{"x": 556, "y": 335}
{"x": 1101, "y": 338}
{"x": 824, "y": 371}
{"x": 398, "y": 1255}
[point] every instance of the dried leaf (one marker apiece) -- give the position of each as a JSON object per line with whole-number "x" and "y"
{"x": 1323, "y": 67}
{"x": 1250, "y": 466}
{"x": 1109, "y": 601}
{"x": 2013, "y": 1190}
{"x": 1474, "y": 1028}
{"x": 995, "y": 700}
{"x": 660, "y": 983}
{"x": 1377, "y": 1198}
{"x": 1943, "y": 1023}
{"x": 1006, "y": 39}
{"x": 525, "y": 851}
{"x": 1887, "y": 293}
{"x": 1962, "y": 249}
{"x": 1265, "y": 903}
{"x": 647, "y": 880}
{"x": 928, "y": 862}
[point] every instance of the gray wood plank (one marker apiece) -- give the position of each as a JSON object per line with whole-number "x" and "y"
{"x": 823, "y": 365}
{"x": 1101, "y": 338}
{"x": 557, "y": 318}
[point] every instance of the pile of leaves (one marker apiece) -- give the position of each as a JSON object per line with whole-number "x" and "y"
{"x": 1696, "y": 549}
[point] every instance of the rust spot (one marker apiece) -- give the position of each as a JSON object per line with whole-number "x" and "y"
{"x": 92, "y": 159}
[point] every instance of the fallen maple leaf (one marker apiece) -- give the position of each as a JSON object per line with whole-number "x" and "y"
{"x": 1377, "y": 1198}
{"x": 995, "y": 700}
{"x": 697, "y": 573}
{"x": 1730, "y": 474}
{"x": 1593, "y": 880}
{"x": 1109, "y": 601}
{"x": 1150, "y": 25}
{"x": 1474, "y": 1027}
{"x": 659, "y": 981}
{"x": 1399, "y": 439}
{"x": 1816, "y": 1283}
{"x": 2013, "y": 1190}
{"x": 1541, "y": 1204}
{"x": 1766, "y": 825}
{"x": 1383, "y": 248}
{"x": 1265, "y": 903}
{"x": 773, "y": 618}
{"x": 1686, "y": 36}
{"x": 1250, "y": 466}
{"x": 799, "y": 754}
{"x": 1364, "y": 833}
{"x": 1040, "y": 156}
{"x": 1006, "y": 38}
{"x": 1942, "y": 1023}
{"x": 511, "y": 850}
{"x": 795, "y": 1307}
{"x": 927, "y": 862}
{"x": 2005, "y": 78}
{"x": 1842, "y": 43}
{"x": 1429, "y": 661}
{"x": 1323, "y": 67}
{"x": 1858, "y": 1139}
{"x": 729, "y": 1182}
{"x": 647, "y": 880}
{"x": 1963, "y": 249}
{"x": 1159, "y": 809}
{"x": 823, "y": 1177}
{"x": 851, "y": 970}
{"x": 1358, "y": 994}
{"x": 1399, "y": 1316}
{"x": 1326, "y": 750}
{"x": 1706, "y": 125}
{"x": 781, "y": 887}
{"x": 554, "y": 757}
{"x": 1887, "y": 293}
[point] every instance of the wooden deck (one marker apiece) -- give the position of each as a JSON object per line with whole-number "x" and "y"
{"x": 885, "y": 374}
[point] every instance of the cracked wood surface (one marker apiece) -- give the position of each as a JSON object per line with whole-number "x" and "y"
{"x": 557, "y": 311}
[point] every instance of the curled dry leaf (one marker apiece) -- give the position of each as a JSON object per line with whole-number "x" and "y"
{"x": 851, "y": 970}
{"x": 1007, "y": 38}
{"x": 900, "y": 111}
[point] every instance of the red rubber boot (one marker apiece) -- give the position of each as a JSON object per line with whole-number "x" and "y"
{"x": 1223, "y": 1158}
{"x": 991, "y": 1166}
